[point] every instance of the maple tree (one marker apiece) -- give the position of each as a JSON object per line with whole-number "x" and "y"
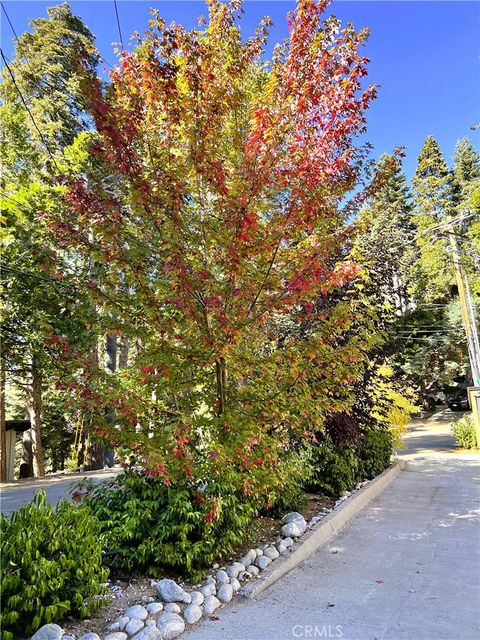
{"x": 217, "y": 197}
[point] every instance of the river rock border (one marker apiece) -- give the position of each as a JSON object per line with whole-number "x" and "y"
{"x": 166, "y": 617}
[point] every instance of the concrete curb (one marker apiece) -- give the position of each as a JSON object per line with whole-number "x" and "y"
{"x": 323, "y": 531}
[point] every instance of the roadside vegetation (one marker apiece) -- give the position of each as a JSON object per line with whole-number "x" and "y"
{"x": 209, "y": 279}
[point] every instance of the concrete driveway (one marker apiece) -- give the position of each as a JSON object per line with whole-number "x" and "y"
{"x": 406, "y": 568}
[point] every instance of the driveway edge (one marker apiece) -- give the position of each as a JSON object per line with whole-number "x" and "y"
{"x": 323, "y": 531}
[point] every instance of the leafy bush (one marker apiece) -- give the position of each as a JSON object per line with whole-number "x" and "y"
{"x": 375, "y": 453}
{"x": 334, "y": 470}
{"x": 464, "y": 432}
{"x": 148, "y": 524}
{"x": 51, "y": 565}
{"x": 295, "y": 471}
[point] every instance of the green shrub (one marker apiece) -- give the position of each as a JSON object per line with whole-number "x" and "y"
{"x": 148, "y": 525}
{"x": 334, "y": 471}
{"x": 51, "y": 565}
{"x": 375, "y": 453}
{"x": 464, "y": 432}
{"x": 295, "y": 470}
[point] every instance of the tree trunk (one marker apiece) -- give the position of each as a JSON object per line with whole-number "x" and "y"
{"x": 109, "y": 454}
{"x": 34, "y": 413}
{"x": 92, "y": 451}
{"x": 221, "y": 375}
{"x": 3, "y": 434}
{"x": 26, "y": 463}
{"x": 123, "y": 356}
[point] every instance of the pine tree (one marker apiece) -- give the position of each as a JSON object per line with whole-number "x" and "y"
{"x": 434, "y": 200}
{"x": 387, "y": 242}
{"x": 466, "y": 171}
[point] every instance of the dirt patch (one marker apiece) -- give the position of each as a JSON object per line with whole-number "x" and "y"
{"x": 123, "y": 594}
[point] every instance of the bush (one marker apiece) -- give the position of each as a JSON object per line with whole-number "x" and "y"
{"x": 148, "y": 525}
{"x": 51, "y": 565}
{"x": 464, "y": 432}
{"x": 334, "y": 470}
{"x": 295, "y": 471}
{"x": 375, "y": 453}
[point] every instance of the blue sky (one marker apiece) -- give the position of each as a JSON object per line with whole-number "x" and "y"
{"x": 425, "y": 57}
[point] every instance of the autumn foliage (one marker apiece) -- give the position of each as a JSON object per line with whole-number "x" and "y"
{"x": 211, "y": 217}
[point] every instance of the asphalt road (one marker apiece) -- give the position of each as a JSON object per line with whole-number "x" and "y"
{"x": 16, "y": 494}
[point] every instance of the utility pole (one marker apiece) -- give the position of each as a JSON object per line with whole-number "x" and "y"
{"x": 467, "y": 309}
{"x": 470, "y": 326}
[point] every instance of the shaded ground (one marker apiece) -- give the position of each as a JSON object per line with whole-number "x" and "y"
{"x": 425, "y": 436}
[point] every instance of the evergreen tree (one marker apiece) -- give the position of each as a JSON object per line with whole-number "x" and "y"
{"x": 466, "y": 171}
{"x": 387, "y": 244}
{"x": 433, "y": 193}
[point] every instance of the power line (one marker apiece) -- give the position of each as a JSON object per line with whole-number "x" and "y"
{"x": 118, "y": 22}
{"x": 28, "y": 109}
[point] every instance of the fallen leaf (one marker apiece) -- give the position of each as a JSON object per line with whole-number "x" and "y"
{"x": 214, "y": 618}
{"x": 379, "y": 581}
{"x": 331, "y": 604}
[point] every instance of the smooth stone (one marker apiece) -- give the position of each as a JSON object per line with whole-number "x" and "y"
{"x": 137, "y": 611}
{"x": 149, "y": 632}
{"x": 293, "y": 529}
{"x": 234, "y": 569}
{"x": 263, "y": 562}
{"x": 295, "y": 518}
{"x": 249, "y": 557}
{"x": 68, "y": 637}
{"x": 253, "y": 569}
{"x": 154, "y": 607}
{"x": 288, "y": 541}
{"x": 171, "y": 607}
{"x": 271, "y": 553}
{"x": 222, "y": 577}
{"x": 90, "y": 636}
{"x": 258, "y": 552}
{"x": 192, "y": 613}
{"x": 235, "y": 584}
{"x": 187, "y": 598}
{"x": 117, "y": 635}
{"x": 170, "y": 625}
{"x": 211, "y": 603}
{"x": 290, "y": 517}
{"x": 133, "y": 626}
{"x": 197, "y": 598}
{"x": 208, "y": 590}
{"x": 210, "y": 580}
{"x": 122, "y": 622}
{"x": 225, "y": 593}
{"x": 281, "y": 547}
{"x": 150, "y": 622}
{"x": 48, "y": 632}
{"x": 169, "y": 590}
{"x": 114, "y": 626}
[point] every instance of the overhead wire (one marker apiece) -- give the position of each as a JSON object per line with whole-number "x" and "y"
{"x": 118, "y": 23}
{"x": 17, "y": 88}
